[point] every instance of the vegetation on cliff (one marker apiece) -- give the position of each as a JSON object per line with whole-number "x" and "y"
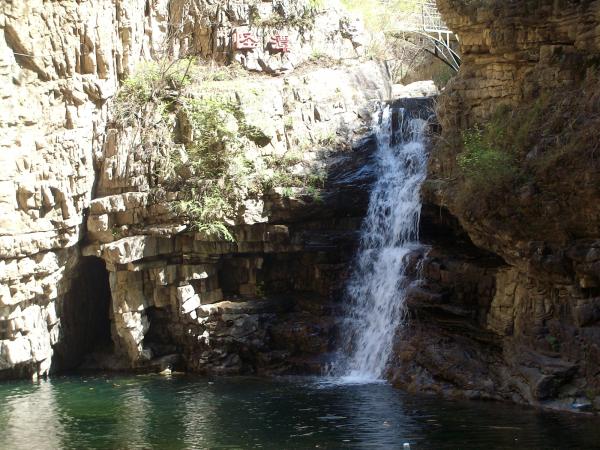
{"x": 304, "y": 19}
{"x": 528, "y": 145}
{"x": 189, "y": 117}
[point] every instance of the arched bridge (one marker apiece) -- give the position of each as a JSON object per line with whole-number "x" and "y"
{"x": 426, "y": 28}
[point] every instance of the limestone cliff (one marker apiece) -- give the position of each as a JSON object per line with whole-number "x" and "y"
{"x": 61, "y": 66}
{"x": 101, "y": 253}
{"x": 233, "y": 306}
{"x": 61, "y": 63}
{"x": 510, "y": 303}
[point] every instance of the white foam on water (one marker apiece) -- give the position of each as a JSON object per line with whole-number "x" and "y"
{"x": 377, "y": 287}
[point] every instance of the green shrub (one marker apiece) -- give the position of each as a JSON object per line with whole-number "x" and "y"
{"x": 147, "y": 87}
{"x": 490, "y": 161}
{"x": 326, "y": 138}
{"x": 317, "y": 54}
{"x": 316, "y": 179}
{"x": 314, "y": 193}
{"x": 207, "y": 209}
{"x": 309, "y": 183}
{"x": 197, "y": 146}
{"x": 481, "y": 162}
{"x": 215, "y": 135}
{"x": 287, "y": 192}
{"x": 221, "y": 175}
{"x": 494, "y": 154}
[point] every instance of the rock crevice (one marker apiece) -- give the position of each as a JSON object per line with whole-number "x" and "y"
{"x": 523, "y": 328}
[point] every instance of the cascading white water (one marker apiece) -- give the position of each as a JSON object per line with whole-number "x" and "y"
{"x": 377, "y": 286}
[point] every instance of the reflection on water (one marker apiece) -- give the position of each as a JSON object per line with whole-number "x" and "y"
{"x": 185, "y": 412}
{"x": 18, "y": 413}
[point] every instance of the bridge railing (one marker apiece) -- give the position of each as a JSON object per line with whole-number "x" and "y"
{"x": 425, "y": 22}
{"x": 424, "y": 17}
{"x": 431, "y": 18}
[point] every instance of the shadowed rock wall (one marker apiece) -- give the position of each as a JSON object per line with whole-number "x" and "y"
{"x": 509, "y": 306}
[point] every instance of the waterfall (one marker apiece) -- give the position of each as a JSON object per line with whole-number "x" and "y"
{"x": 377, "y": 287}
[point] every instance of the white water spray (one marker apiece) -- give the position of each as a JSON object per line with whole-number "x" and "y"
{"x": 377, "y": 287}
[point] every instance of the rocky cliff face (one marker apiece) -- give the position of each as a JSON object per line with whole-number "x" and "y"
{"x": 254, "y": 303}
{"x": 509, "y": 304}
{"x": 95, "y": 257}
{"x": 61, "y": 65}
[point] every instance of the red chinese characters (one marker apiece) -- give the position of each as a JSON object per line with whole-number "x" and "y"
{"x": 244, "y": 40}
{"x": 280, "y": 43}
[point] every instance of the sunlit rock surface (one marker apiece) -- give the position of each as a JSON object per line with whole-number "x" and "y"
{"x": 61, "y": 64}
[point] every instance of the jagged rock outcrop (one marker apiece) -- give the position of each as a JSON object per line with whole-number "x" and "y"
{"x": 252, "y": 304}
{"x": 508, "y": 306}
{"x": 61, "y": 65}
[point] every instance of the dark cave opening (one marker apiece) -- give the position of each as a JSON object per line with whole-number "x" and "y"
{"x": 85, "y": 316}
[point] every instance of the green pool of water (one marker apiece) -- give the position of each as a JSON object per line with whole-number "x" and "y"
{"x": 126, "y": 412}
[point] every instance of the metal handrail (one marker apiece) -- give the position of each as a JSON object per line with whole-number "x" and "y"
{"x": 427, "y": 22}
{"x": 426, "y": 18}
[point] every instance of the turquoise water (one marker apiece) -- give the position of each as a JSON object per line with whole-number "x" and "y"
{"x": 126, "y": 412}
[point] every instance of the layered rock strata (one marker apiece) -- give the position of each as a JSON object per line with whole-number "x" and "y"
{"x": 61, "y": 65}
{"x": 508, "y": 308}
{"x": 256, "y": 303}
